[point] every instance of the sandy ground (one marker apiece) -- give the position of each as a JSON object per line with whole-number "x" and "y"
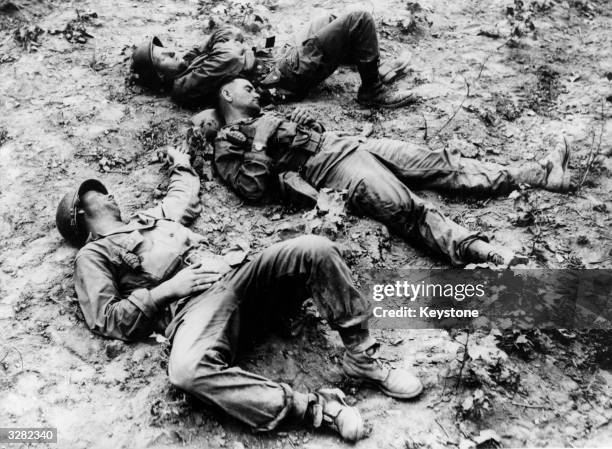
{"x": 67, "y": 113}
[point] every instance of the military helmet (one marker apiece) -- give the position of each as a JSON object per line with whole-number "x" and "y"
{"x": 66, "y": 217}
{"x": 142, "y": 64}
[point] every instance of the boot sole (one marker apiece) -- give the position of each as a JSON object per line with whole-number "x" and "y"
{"x": 399, "y": 104}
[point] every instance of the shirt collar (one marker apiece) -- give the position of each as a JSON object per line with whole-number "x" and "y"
{"x": 137, "y": 222}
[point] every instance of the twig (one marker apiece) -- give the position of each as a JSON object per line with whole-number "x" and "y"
{"x": 545, "y": 407}
{"x": 442, "y": 427}
{"x": 425, "y": 120}
{"x": 482, "y": 66}
{"x": 592, "y": 152}
{"x": 597, "y": 262}
{"x": 463, "y": 360}
{"x": 61, "y": 304}
{"x": 590, "y": 157}
{"x": 467, "y": 94}
{"x": 506, "y": 42}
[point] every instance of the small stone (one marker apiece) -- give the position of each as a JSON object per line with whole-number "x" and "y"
{"x": 114, "y": 348}
{"x": 582, "y": 240}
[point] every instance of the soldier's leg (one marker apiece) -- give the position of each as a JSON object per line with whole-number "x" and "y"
{"x": 375, "y": 191}
{"x": 204, "y": 348}
{"x": 319, "y": 22}
{"x": 209, "y": 327}
{"x": 311, "y": 266}
{"x": 348, "y": 39}
{"x": 287, "y": 273}
{"x": 420, "y": 167}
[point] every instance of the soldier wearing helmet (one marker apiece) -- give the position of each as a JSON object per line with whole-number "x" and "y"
{"x": 153, "y": 274}
{"x": 288, "y": 71}
{"x": 257, "y": 153}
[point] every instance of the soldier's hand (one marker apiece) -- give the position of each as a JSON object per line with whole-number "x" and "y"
{"x": 266, "y": 127}
{"x": 191, "y": 280}
{"x": 178, "y": 155}
{"x": 302, "y": 116}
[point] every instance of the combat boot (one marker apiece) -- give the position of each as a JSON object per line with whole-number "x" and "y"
{"x": 555, "y": 163}
{"x": 381, "y": 96}
{"x": 368, "y": 367}
{"x": 373, "y": 93}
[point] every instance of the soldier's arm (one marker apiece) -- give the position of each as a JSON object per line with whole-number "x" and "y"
{"x": 182, "y": 201}
{"x": 295, "y": 190}
{"x": 199, "y": 83}
{"x": 224, "y": 34}
{"x": 106, "y": 311}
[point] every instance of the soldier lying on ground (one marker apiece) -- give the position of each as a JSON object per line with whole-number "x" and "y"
{"x": 293, "y": 69}
{"x": 154, "y": 274}
{"x": 255, "y": 152}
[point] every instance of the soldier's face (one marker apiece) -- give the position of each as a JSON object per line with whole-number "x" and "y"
{"x": 95, "y": 203}
{"x": 166, "y": 61}
{"x": 244, "y": 97}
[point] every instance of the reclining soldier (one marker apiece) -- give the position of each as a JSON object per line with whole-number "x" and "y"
{"x": 293, "y": 69}
{"x": 153, "y": 274}
{"x": 257, "y": 153}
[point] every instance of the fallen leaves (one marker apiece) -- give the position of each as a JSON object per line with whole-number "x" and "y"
{"x": 75, "y": 31}
{"x": 329, "y": 214}
{"x": 250, "y": 17}
{"x": 597, "y": 204}
{"x": 27, "y": 36}
{"x": 475, "y": 406}
{"x": 236, "y": 253}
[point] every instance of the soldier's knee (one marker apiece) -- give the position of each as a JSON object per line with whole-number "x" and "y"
{"x": 361, "y": 15}
{"x": 185, "y": 373}
{"x": 316, "y": 245}
{"x": 182, "y": 373}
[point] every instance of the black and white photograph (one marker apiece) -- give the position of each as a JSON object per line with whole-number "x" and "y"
{"x": 315, "y": 224}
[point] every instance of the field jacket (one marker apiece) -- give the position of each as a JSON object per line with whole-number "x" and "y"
{"x": 114, "y": 272}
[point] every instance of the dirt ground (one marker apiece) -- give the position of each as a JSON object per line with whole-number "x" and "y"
{"x": 536, "y": 70}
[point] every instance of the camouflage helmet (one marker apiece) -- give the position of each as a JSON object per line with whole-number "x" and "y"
{"x": 66, "y": 217}
{"x": 142, "y": 64}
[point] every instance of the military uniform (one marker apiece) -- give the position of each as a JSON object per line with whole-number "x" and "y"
{"x": 295, "y": 69}
{"x": 115, "y": 272}
{"x": 376, "y": 173}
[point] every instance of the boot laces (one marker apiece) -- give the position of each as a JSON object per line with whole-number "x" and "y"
{"x": 373, "y": 353}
